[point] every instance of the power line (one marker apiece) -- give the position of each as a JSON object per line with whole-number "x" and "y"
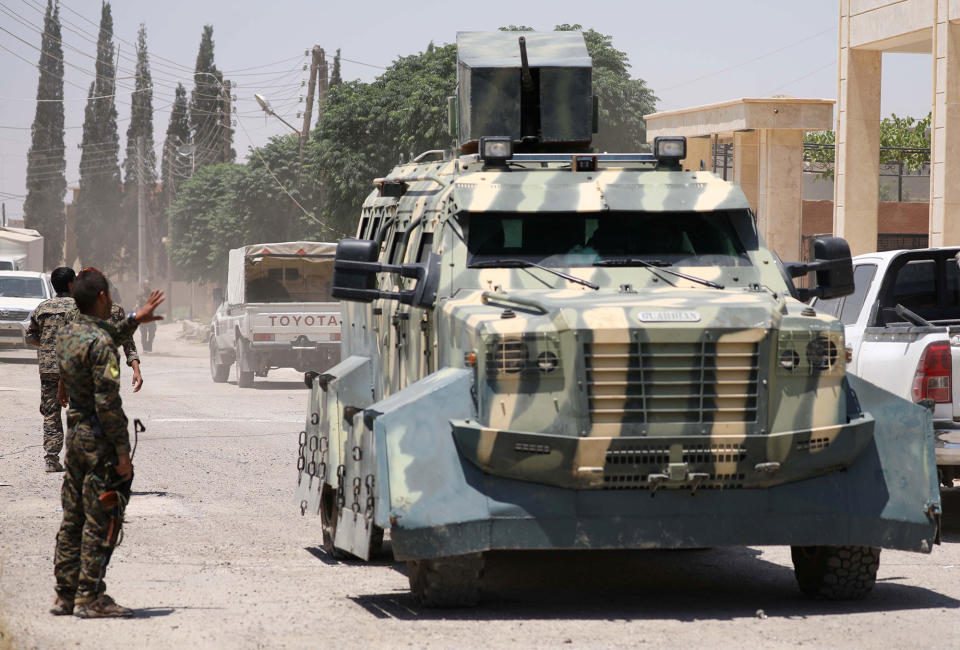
{"x": 748, "y": 61}
{"x": 802, "y": 77}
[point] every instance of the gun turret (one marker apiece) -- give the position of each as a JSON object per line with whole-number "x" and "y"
{"x": 538, "y": 94}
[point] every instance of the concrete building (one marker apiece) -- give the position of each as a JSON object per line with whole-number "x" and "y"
{"x": 767, "y": 137}
{"x": 868, "y": 28}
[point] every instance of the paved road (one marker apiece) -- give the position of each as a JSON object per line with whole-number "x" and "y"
{"x": 217, "y": 555}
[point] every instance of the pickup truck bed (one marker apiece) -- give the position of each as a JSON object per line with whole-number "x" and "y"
{"x": 902, "y": 328}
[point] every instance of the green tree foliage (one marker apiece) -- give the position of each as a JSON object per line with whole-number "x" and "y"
{"x": 204, "y": 222}
{"x": 366, "y": 128}
{"x": 623, "y": 100}
{"x": 902, "y": 140}
{"x": 99, "y": 223}
{"x": 225, "y": 206}
{"x": 46, "y": 183}
{"x": 213, "y": 138}
{"x": 176, "y": 166}
{"x": 141, "y": 126}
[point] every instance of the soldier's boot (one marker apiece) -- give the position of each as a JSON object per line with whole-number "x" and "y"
{"x": 53, "y": 465}
{"x": 103, "y": 607}
{"x": 62, "y": 606}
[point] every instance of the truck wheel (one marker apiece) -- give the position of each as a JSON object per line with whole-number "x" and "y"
{"x": 219, "y": 371}
{"x": 447, "y": 581}
{"x": 836, "y": 572}
{"x": 244, "y": 376}
{"x": 328, "y": 523}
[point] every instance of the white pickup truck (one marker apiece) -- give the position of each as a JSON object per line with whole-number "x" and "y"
{"x": 277, "y": 313}
{"x": 902, "y": 329}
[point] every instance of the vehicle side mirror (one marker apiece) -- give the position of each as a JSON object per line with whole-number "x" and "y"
{"x": 218, "y": 295}
{"x": 355, "y": 272}
{"x": 833, "y": 266}
{"x": 351, "y": 283}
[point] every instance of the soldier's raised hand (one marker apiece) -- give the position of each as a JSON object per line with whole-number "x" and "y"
{"x": 145, "y": 313}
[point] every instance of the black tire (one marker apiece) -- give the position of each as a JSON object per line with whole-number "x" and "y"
{"x": 836, "y": 572}
{"x": 447, "y": 581}
{"x": 244, "y": 377}
{"x": 218, "y": 371}
{"x": 328, "y": 523}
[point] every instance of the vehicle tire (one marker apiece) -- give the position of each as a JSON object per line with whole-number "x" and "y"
{"x": 219, "y": 371}
{"x": 244, "y": 377}
{"x": 328, "y": 523}
{"x": 447, "y": 581}
{"x": 836, "y": 572}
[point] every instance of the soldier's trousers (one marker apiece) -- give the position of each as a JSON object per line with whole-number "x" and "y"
{"x": 83, "y": 550}
{"x": 50, "y": 410}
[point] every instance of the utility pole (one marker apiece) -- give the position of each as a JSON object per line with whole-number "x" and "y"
{"x": 169, "y": 192}
{"x": 322, "y": 85}
{"x": 317, "y": 56}
{"x": 3, "y": 206}
{"x": 226, "y": 120}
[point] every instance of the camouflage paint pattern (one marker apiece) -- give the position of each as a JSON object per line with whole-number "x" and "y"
{"x": 82, "y": 550}
{"x": 90, "y": 370}
{"x": 45, "y": 323}
{"x": 52, "y": 422}
{"x": 117, "y": 317}
{"x": 522, "y": 410}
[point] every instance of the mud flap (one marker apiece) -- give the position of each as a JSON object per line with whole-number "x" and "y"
{"x": 355, "y": 524}
{"x": 323, "y": 441}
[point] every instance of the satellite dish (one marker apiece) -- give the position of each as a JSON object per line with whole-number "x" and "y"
{"x": 186, "y": 149}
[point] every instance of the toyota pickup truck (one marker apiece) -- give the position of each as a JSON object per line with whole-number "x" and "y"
{"x": 277, "y": 312}
{"x": 902, "y": 330}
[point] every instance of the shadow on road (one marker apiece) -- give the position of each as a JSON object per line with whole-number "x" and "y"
{"x": 266, "y": 384}
{"x": 716, "y": 584}
{"x": 23, "y": 361}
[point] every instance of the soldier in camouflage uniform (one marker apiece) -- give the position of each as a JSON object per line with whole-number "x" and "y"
{"x": 98, "y": 448}
{"x": 45, "y": 324}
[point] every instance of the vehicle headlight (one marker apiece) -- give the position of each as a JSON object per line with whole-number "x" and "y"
{"x": 810, "y": 352}
{"x": 522, "y": 355}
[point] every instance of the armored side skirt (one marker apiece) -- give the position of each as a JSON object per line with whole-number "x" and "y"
{"x": 436, "y": 503}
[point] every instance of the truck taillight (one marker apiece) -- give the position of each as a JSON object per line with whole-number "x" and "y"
{"x": 932, "y": 380}
{"x": 263, "y": 337}
{"x": 335, "y": 337}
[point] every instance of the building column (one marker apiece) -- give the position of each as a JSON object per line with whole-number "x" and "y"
{"x": 698, "y": 149}
{"x": 945, "y": 135}
{"x": 780, "y": 191}
{"x": 746, "y": 164}
{"x": 856, "y": 190}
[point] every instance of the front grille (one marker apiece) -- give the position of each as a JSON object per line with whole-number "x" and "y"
{"x": 672, "y": 382}
{"x": 14, "y": 314}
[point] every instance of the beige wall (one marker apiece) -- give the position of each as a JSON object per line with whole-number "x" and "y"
{"x": 867, "y": 28}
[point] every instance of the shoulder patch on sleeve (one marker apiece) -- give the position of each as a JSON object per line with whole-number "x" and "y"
{"x": 112, "y": 370}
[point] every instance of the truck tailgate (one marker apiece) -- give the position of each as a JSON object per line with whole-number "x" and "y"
{"x": 318, "y": 321}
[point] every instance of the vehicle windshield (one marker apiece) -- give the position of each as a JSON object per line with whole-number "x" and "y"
{"x": 583, "y": 239}
{"x": 19, "y": 287}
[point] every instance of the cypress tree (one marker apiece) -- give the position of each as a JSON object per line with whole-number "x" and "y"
{"x": 141, "y": 126}
{"x": 176, "y": 168}
{"x": 335, "y": 75}
{"x": 46, "y": 183}
{"x": 208, "y": 105}
{"x": 99, "y": 221}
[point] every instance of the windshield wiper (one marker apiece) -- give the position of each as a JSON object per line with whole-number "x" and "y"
{"x": 523, "y": 264}
{"x": 655, "y": 266}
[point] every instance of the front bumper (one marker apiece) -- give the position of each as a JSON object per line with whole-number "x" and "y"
{"x": 687, "y": 462}
{"x": 13, "y": 334}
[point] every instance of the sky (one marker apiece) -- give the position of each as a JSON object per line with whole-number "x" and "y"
{"x": 689, "y": 53}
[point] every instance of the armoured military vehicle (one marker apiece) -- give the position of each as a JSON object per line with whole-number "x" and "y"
{"x": 546, "y": 347}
